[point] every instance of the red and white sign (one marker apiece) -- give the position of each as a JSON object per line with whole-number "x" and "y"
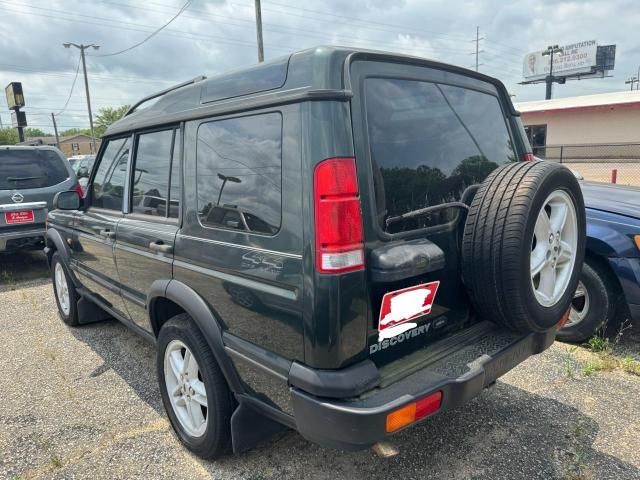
{"x": 23, "y": 216}
{"x": 400, "y": 307}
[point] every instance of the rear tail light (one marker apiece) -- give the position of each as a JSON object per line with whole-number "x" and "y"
{"x": 528, "y": 157}
{"x": 338, "y": 217}
{"x": 413, "y": 412}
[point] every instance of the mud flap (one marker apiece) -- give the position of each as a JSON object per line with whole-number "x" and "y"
{"x": 89, "y": 312}
{"x": 249, "y": 427}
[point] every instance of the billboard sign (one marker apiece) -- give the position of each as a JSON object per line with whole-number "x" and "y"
{"x": 575, "y": 58}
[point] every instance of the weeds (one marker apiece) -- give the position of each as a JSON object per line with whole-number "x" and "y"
{"x": 631, "y": 366}
{"x": 56, "y": 462}
{"x": 569, "y": 362}
{"x": 604, "y": 358}
{"x": 599, "y": 343}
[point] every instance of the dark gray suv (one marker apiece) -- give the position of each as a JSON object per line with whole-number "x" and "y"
{"x": 342, "y": 242}
{"x": 29, "y": 178}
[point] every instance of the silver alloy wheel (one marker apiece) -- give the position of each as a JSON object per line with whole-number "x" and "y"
{"x": 553, "y": 248}
{"x": 185, "y": 388}
{"x": 579, "y": 306}
{"x": 62, "y": 289}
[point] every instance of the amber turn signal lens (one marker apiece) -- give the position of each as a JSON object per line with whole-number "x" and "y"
{"x": 414, "y": 411}
{"x": 401, "y": 417}
{"x": 637, "y": 240}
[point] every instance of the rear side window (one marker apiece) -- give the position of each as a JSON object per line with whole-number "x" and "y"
{"x": 111, "y": 175}
{"x": 239, "y": 171}
{"x": 31, "y": 169}
{"x": 428, "y": 143}
{"x": 152, "y": 169}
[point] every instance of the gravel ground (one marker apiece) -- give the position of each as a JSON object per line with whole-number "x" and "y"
{"x": 84, "y": 403}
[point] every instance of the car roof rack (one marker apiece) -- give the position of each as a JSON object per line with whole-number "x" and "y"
{"x": 164, "y": 92}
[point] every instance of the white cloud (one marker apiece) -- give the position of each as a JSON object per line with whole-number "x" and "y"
{"x": 215, "y": 36}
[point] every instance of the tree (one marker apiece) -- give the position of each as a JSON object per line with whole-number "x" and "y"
{"x": 106, "y": 116}
{"x": 35, "y": 132}
{"x": 8, "y": 136}
{"x": 75, "y": 131}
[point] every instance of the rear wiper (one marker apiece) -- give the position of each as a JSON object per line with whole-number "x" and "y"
{"x": 22, "y": 179}
{"x": 423, "y": 211}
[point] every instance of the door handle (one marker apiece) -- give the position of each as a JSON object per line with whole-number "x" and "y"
{"x": 106, "y": 233}
{"x": 160, "y": 246}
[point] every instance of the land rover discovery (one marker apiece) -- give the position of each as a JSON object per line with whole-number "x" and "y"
{"x": 343, "y": 242}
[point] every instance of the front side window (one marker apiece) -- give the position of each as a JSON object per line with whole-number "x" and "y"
{"x": 151, "y": 171}
{"x": 428, "y": 143}
{"x": 239, "y": 171}
{"x": 110, "y": 178}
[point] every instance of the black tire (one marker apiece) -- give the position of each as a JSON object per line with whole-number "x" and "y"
{"x": 497, "y": 241}
{"x": 71, "y": 318}
{"x": 601, "y": 306}
{"x": 216, "y": 439}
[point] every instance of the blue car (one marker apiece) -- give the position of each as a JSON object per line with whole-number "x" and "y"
{"x": 609, "y": 287}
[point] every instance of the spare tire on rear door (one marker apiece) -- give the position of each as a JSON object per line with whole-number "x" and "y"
{"x": 523, "y": 245}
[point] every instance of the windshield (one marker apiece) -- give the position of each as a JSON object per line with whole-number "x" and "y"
{"x": 31, "y": 169}
{"x": 428, "y": 143}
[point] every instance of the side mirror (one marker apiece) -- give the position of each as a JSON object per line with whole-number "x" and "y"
{"x": 69, "y": 200}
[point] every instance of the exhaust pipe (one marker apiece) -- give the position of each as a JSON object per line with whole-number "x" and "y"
{"x": 385, "y": 450}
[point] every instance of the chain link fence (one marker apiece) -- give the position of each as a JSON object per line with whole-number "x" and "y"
{"x": 610, "y": 163}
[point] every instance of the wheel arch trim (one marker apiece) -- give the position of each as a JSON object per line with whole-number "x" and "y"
{"x": 203, "y": 316}
{"x": 55, "y": 243}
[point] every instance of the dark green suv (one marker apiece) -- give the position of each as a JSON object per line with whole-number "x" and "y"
{"x": 341, "y": 242}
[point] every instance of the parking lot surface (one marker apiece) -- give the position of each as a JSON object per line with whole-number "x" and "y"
{"x": 84, "y": 403}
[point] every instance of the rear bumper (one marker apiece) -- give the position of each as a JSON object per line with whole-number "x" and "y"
{"x": 17, "y": 239}
{"x": 360, "y": 422}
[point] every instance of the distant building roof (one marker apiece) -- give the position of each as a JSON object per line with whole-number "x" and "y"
{"x": 52, "y": 140}
{"x": 626, "y": 99}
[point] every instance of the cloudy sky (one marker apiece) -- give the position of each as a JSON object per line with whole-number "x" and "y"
{"x": 214, "y": 36}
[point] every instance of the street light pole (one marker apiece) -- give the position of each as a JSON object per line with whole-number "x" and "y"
{"x": 82, "y": 48}
{"x": 551, "y": 50}
{"x": 259, "y": 31}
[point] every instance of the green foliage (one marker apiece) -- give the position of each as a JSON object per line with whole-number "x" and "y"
{"x": 35, "y": 132}
{"x": 598, "y": 343}
{"x": 630, "y": 365}
{"x": 106, "y": 116}
{"x": 75, "y": 131}
{"x": 8, "y": 136}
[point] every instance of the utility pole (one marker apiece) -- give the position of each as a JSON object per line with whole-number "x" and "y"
{"x": 477, "y": 42}
{"x": 551, "y": 50}
{"x": 259, "y": 31}
{"x": 82, "y": 48}
{"x": 55, "y": 129}
{"x": 632, "y": 81}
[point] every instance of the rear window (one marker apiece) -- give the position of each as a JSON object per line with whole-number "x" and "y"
{"x": 31, "y": 169}
{"x": 428, "y": 143}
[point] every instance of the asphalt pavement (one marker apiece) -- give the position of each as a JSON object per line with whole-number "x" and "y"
{"x": 84, "y": 403}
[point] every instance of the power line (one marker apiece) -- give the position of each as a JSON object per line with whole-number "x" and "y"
{"x": 217, "y": 40}
{"x": 110, "y": 78}
{"x": 149, "y": 37}
{"x": 72, "y": 87}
